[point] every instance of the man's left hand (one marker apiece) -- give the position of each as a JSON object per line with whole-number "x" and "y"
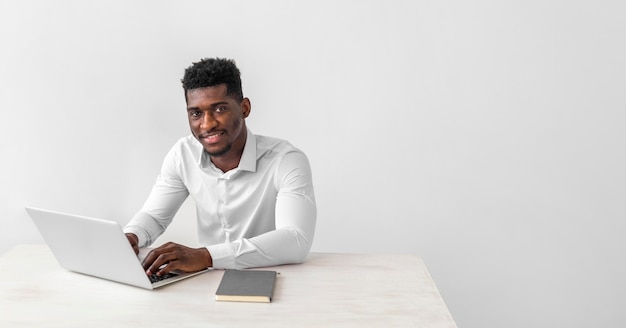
{"x": 172, "y": 256}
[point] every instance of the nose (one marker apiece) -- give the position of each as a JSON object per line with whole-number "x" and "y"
{"x": 208, "y": 122}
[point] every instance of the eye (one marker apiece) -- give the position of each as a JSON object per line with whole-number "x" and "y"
{"x": 220, "y": 109}
{"x": 195, "y": 113}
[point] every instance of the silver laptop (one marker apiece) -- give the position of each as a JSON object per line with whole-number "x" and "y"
{"x": 95, "y": 247}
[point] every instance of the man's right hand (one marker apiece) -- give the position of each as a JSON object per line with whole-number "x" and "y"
{"x": 134, "y": 242}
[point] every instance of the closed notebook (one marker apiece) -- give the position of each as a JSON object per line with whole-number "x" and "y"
{"x": 246, "y": 286}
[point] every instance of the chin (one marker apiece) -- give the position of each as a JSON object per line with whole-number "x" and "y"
{"x": 218, "y": 152}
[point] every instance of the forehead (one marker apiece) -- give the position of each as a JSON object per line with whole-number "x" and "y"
{"x": 207, "y": 95}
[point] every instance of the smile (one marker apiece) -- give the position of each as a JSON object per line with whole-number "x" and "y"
{"x": 211, "y": 136}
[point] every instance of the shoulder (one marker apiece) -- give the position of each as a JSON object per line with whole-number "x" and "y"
{"x": 188, "y": 143}
{"x": 271, "y": 147}
{"x": 185, "y": 149}
{"x": 280, "y": 154}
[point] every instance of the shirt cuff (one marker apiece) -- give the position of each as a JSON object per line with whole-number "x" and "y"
{"x": 142, "y": 235}
{"x": 222, "y": 255}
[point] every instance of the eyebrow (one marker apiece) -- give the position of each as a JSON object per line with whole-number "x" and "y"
{"x": 211, "y": 106}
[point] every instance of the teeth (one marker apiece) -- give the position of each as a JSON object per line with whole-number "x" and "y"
{"x": 211, "y": 135}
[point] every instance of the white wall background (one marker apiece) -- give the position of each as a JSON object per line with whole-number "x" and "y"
{"x": 486, "y": 136}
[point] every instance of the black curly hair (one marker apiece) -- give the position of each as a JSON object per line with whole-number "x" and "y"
{"x": 209, "y": 72}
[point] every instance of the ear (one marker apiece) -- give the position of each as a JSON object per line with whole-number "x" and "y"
{"x": 246, "y": 106}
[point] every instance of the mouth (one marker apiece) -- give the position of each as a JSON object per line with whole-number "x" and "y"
{"x": 211, "y": 137}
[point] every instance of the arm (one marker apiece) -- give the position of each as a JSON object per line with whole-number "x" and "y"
{"x": 295, "y": 217}
{"x": 166, "y": 197}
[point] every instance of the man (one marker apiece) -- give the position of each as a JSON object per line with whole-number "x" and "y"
{"x": 254, "y": 195}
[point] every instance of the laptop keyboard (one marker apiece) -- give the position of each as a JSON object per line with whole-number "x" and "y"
{"x": 154, "y": 278}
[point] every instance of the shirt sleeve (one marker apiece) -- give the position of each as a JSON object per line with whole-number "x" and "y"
{"x": 166, "y": 197}
{"x": 295, "y": 220}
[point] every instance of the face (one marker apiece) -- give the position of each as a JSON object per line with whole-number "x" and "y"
{"x": 217, "y": 120}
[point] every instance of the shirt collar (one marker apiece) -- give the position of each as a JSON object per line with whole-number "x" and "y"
{"x": 248, "y": 158}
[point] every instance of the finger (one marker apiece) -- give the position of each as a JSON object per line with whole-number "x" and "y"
{"x": 149, "y": 259}
{"x": 161, "y": 260}
{"x": 154, "y": 254}
{"x": 168, "y": 267}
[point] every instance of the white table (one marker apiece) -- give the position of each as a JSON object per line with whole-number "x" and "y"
{"x": 329, "y": 290}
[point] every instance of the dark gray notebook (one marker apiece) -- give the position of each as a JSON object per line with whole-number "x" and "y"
{"x": 246, "y": 286}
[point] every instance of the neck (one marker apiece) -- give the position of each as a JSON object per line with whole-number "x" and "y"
{"x": 226, "y": 162}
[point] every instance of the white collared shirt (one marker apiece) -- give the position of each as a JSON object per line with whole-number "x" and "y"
{"x": 261, "y": 213}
